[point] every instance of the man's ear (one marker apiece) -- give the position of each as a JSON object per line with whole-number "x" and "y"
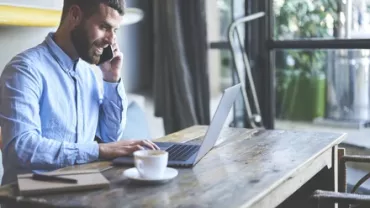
{"x": 75, "y": 14}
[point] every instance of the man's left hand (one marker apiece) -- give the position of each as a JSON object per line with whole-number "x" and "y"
{"x": 112, "y": 69}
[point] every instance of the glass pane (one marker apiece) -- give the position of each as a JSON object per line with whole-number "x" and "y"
{"x": 229, "y": 10}
{"x": 329, "y": 84}
{"x": 239, "y": 8}
{"x": 302, "y": 19}
{"x": 225, "y": 11}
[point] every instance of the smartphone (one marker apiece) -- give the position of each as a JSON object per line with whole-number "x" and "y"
{"x": 107, "y": 55}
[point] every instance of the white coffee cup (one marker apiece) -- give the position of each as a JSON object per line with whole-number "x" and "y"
{"x": 151, "y": 164}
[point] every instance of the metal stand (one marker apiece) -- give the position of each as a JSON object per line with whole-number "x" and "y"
{"x": 251, "y": 105}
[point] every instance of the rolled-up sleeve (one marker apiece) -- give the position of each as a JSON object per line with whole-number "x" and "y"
{"x": 112, "y": 115}
{"x": 21, "y": 89}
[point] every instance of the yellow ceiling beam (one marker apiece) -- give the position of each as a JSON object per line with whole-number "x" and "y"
{"x": 13, "y": 15}
{"x": 26, "y": 16}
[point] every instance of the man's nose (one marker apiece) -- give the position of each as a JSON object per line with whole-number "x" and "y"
{"x": 111, "y": 38}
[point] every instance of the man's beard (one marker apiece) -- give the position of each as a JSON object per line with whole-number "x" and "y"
{"x": 82, "y": 45}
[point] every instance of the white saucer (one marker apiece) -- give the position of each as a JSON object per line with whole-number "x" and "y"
{"x": 133, "y": 174}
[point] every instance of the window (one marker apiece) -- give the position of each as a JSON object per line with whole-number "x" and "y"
{"x": 320, "y": 60}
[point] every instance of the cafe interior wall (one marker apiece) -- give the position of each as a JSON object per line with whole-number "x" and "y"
{"x": 15, "y": 39}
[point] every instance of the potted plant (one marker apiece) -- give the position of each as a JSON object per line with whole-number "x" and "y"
{"x": 301, "y": 73}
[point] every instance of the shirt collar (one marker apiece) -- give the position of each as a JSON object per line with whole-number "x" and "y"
{"x": 61, "y": 57}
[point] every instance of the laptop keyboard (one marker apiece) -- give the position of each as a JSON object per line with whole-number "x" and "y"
{"x": 181, "y": 152}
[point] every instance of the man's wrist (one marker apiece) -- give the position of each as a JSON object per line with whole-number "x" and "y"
{"x": 112, "y": 80}
{"x": 102, "y": 150}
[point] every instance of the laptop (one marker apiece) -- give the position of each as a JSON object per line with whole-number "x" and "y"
{"x": 188, "y": 155}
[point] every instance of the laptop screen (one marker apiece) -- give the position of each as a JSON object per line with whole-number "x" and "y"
{"x": 218, "y": 120}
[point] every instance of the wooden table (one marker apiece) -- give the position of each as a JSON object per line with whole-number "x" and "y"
{"x": 246, "y": 168}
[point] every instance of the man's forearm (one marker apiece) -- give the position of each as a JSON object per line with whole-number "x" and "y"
{"x": 36, "y": 152}
{"x": 112, "y": 118}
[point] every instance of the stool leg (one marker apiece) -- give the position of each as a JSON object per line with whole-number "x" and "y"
{"x": 342, "y": 181}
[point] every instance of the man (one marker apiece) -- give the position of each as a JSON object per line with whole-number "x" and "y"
{"x": 51, "y": 106}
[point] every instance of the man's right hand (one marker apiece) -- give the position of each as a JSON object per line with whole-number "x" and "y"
{"x": 123, "y": 148}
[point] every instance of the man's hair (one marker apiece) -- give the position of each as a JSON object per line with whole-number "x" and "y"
{"x": 89, "y": 7}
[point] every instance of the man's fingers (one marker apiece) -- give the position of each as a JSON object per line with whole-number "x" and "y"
{"x": 114, "y": 46}
{"x": 155, "y": 146}
{"x": 128, "y": 150}
{"x": 148, "y": 144}
{"x": 116, "y": 49}
{"x": 128, "y": 147}
{"x": 117, "y": 56}
{"x": 139, "y": 147}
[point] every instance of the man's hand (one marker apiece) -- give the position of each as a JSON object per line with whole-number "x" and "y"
{"x": 112, "y": 69}
{"x": 123, "y": 148}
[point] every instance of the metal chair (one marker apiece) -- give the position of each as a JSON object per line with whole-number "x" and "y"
{"x": 343, "y": 198}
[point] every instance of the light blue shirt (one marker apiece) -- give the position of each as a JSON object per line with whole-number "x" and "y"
{"x": 51, "y": 109}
